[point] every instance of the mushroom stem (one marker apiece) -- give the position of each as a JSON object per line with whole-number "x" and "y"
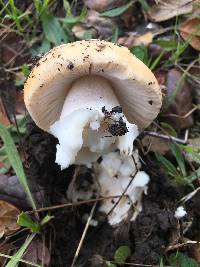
{"x": 89, "y": 92}
{"x": 84, "y": 129}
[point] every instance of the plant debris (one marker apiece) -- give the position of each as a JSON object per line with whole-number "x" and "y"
{"x": 8, "y": 219}
{"x": 165, "y": 10}
{"x": 190, "y": 32}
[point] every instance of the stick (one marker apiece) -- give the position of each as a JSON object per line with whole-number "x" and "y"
{"x": 169, "y": 137}
{"x": 83, "y": 235}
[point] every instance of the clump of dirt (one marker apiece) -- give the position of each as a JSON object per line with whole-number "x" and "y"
{"x": 156, "y": 224}
{"x": 147, "y": 236}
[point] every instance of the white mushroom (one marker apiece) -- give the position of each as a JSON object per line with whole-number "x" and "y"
{"x": 68, "y": 88}
{"x": 115, "y": 175}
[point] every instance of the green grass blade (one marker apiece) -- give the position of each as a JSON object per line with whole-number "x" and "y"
{"x": 15, "y": 161}
{"x": 179, "y": 157}
{"x": 23, "y": 261}
{"x": 116, "y": 11}
{"x": 15, "y": 259}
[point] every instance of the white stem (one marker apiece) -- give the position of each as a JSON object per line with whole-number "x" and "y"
{"x": 82, "y": 130}
{"x": 89, "y": 92}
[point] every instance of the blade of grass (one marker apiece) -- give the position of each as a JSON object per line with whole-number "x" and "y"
{"x": 13, "y": 262}
{"x": 15, "y": 161}
{"x": 179, "y": 157}
{"x": 23, "y": 261}
{"x": 117, "y": 11}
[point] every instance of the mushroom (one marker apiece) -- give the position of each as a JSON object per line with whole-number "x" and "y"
{"x": 113, "y": 174}
{"x": 93, "y": 96}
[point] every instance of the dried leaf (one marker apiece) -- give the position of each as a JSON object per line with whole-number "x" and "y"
{"x": 133, "y": 40}
{"x": 37, "y": 252}
{"x": 101, "y": 5}
{"x": 165, "y": 10}
{"x": 155, "y": 144}
{"x": 103, "y": 26}
{"x": 3, "y": 116}
{"x": 179, "y": 101}
{"x": 190, "y": 32}
{"x": 8, "y": 218}
{"x": 80, "y": 31}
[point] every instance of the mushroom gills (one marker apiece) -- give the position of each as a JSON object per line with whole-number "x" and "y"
{"x": 91, "y": 122}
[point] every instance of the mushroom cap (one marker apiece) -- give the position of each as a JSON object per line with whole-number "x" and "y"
{"x": 132, "y": 81}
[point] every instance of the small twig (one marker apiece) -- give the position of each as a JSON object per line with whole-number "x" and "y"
{"x": 71, "y": 204}
{"x": 190, "y": 195}
{"x": 169, "y": 137}
{"x": 140, "y": 264}
{"x": 84, "y": 234}
{"x": 187, "y": 243}
{"x": 181, "y": 116}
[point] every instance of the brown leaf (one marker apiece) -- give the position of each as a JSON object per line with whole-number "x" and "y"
{"x": 38, "y": 253}
{"x": 155, "y": 144}
{"x": 19, "y": 103}
{"x": 129, "y": 17}
{"x": 165, "y": 10}
{"x": 178, "y": 106}
{"x": 193, "y": 80}
{"x": 100, "y": 27}
{"x": 8, "y": 218}
{"x": 134, "y": 40}
{"x": 3, "y": 116}
{"x": 101, "y": 5}
{"x": 79, "y": 31}
{"x": 190, "y": 32}
{"x": 104, "y": 26}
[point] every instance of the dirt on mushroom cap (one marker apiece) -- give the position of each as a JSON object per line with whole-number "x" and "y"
{"x": 49, "y": 81}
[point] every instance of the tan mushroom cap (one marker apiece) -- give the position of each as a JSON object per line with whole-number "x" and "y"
{"x": 132, "y": 81}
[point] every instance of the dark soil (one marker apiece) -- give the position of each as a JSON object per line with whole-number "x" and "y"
{"x": 148, "y": 236}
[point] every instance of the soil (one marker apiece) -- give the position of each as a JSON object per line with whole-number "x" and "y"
{"x": 154, "y": 229}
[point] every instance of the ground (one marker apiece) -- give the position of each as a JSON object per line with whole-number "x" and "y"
{"x": 165, "y": 36}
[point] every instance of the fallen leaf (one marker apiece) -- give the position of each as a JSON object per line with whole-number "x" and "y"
{"x": 178, "y": 101}
{"x": 101, "y": 5}
{"x": 100, "y": 27}
{"x": 190, "y": 32}
{"x": 11, "y": 191}
{"x": 156, "y": 144}
{"x": 129, "y": 17}
{"x": 38, "y": 253}
{"x": 127, "y": 41}
{"x": 80, "y": 31}
{"x": 19, "y": 103}
{"x": 3, "y": 116}
{"x": 12, "y": 46}
{"x": 193, "y": 80}
{"x": 8, "y": 218}
{"x": 165, "y": 10}
{"x": 133, "y": 40}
